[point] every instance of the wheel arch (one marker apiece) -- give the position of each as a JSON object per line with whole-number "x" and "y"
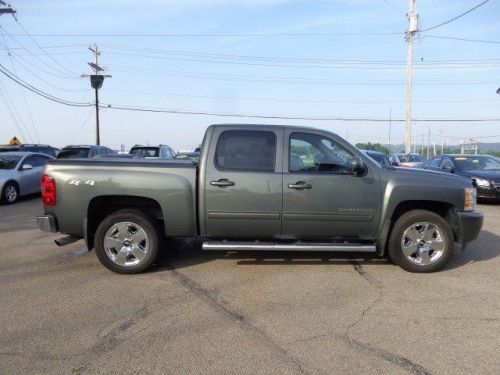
{"x": 446, "y": 210}
{"x": 102, "y": 206}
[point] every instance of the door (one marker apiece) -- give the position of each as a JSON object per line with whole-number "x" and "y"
{"x": 243, "y": 183}
{"x": 29, "y": 179}
{"x": 322, "y": 198}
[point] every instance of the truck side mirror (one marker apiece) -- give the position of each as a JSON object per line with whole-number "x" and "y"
{"x": 358, "y": 167}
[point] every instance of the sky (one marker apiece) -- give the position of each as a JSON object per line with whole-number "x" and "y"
{"x": 293, "y": 58}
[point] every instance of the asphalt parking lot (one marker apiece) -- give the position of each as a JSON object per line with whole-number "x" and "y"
{"x": 61, "y": 312}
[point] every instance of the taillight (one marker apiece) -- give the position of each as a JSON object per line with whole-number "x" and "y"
{"x": 48, "y": 190}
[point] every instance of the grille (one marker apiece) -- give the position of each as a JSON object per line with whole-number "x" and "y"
{"x": 496, "y": 183}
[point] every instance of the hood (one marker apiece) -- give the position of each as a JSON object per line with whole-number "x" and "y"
{"x": 417, "y": 172}
{"x": 487, "y": 175}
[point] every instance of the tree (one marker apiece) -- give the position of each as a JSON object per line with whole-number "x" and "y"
{"x": 374, "y": 147}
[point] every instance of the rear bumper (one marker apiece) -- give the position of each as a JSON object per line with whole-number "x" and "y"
{"x": 470, "y": 223}
{"x": 47, "y": 223}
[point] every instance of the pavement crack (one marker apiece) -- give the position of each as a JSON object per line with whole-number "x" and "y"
{"x": 395, "y": 359}
{"x": 115, "y": 336}
{"x": 221, "y": 306}
{"x": 371, "y": 280}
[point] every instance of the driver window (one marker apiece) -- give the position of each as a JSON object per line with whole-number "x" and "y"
{"x": 317, "y": 154}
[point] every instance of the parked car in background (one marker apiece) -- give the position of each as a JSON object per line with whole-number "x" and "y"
{"x": 407, "y": 160}
{"x": 20, "y": 173}
{"x": 161, "y": 151}
{"x": 44, "y": 149}
{"x": 379, "y": 157}
{"x": 119, "y": 156}
{"x": 188, "y": 155}
{"x": 84, "y": 151}
{"x": 484, "y": 170}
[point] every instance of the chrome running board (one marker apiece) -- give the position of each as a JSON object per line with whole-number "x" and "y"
{"x": 297, "y": 246}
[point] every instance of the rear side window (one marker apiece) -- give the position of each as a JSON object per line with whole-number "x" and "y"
{"x": 74, "y": 153}
{"x": 146, "y": 152}
{"x": 245, "y": 150}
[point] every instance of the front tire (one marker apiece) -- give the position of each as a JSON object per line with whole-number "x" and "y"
{"x": 10, "y": 193}
{"x": 421, "y": 241}
{"x": 127, "y": 242}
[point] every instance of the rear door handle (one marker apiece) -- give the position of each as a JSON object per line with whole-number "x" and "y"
{"x": 223, "y": 182}
{"x": 300, "y": 185}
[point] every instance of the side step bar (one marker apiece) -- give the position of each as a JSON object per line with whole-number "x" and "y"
{"x": 297, "y": 246}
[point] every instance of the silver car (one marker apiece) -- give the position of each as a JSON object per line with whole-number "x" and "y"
{"x": 20, "y": 174}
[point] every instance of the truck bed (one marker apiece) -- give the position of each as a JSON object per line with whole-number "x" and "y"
{"x": 82, "y": 184}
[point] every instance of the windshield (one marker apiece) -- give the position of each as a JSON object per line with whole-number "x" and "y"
{"x": 476, "y": 163}
{"x": 411, "y": 158}
{"x": 9, "y": 162}
{"x": 74, "y": 153}
{"x": 147, "y": 152}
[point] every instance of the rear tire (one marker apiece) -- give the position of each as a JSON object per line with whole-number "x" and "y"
{"x": 10, "y": 193}
{"x": 421, "y": 241}
{"x": 127, "y": 242}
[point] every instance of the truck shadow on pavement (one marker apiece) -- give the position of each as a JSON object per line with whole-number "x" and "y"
{"x": 178, "y": 254}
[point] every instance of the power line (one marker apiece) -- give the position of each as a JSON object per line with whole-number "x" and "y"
{"x": 43, "y": 50}
{"x": 291, "y": 100}
{"x": 296, "y": 80}
{"x": 22, "y": 92}
{"x": 462, "y": 39}
{"x": 5, "y": 71}
{"x": 85, "y": 121}
{"x": 339, "y": 65}
{"x": 455, "y": 18}
{"x": 33, "y": 89}
{"x": 215, "y": 35}
{"x": 16, "y": 118}
{"x": 60, "y": 74}
{"x": 43, "y": 80}
{"x": 281, "y": 117}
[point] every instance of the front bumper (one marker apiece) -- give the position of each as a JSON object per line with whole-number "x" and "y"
{"x": 470, "y": 224}
{"x": 491, "y": 192}
{"x": 47, "y": 223}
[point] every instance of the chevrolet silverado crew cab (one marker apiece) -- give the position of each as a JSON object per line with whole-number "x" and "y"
{"x": 260, "y": 187}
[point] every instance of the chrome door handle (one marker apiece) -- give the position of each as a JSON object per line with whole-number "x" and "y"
{"x": 223, "y": 182}
{"x": 300, "y": 185}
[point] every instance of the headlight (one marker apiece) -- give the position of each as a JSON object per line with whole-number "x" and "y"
{"x": 482, "y": 182}
{"x": 470, "y": 199}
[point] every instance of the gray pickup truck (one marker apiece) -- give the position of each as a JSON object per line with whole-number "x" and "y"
{"x": 260, "y": 187}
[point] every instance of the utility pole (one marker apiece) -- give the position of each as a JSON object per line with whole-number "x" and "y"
{"x": 96, "y": 81}
{"x": 412, "y": 29}
{"x": 390, "y": 126}
{"x": 428, "y": 140}
{"x": 6, "y": 9}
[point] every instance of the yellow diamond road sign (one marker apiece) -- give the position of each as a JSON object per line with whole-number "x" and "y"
{"x": 14, "y": 141}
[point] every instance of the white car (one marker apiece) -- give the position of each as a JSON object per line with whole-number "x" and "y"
{"x": 20, "y": 174}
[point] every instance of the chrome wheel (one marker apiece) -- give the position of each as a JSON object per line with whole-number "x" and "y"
{"x": 126, "y": 244}
{"x": 423, "y": 243}
{"x": 11, "y": 193}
